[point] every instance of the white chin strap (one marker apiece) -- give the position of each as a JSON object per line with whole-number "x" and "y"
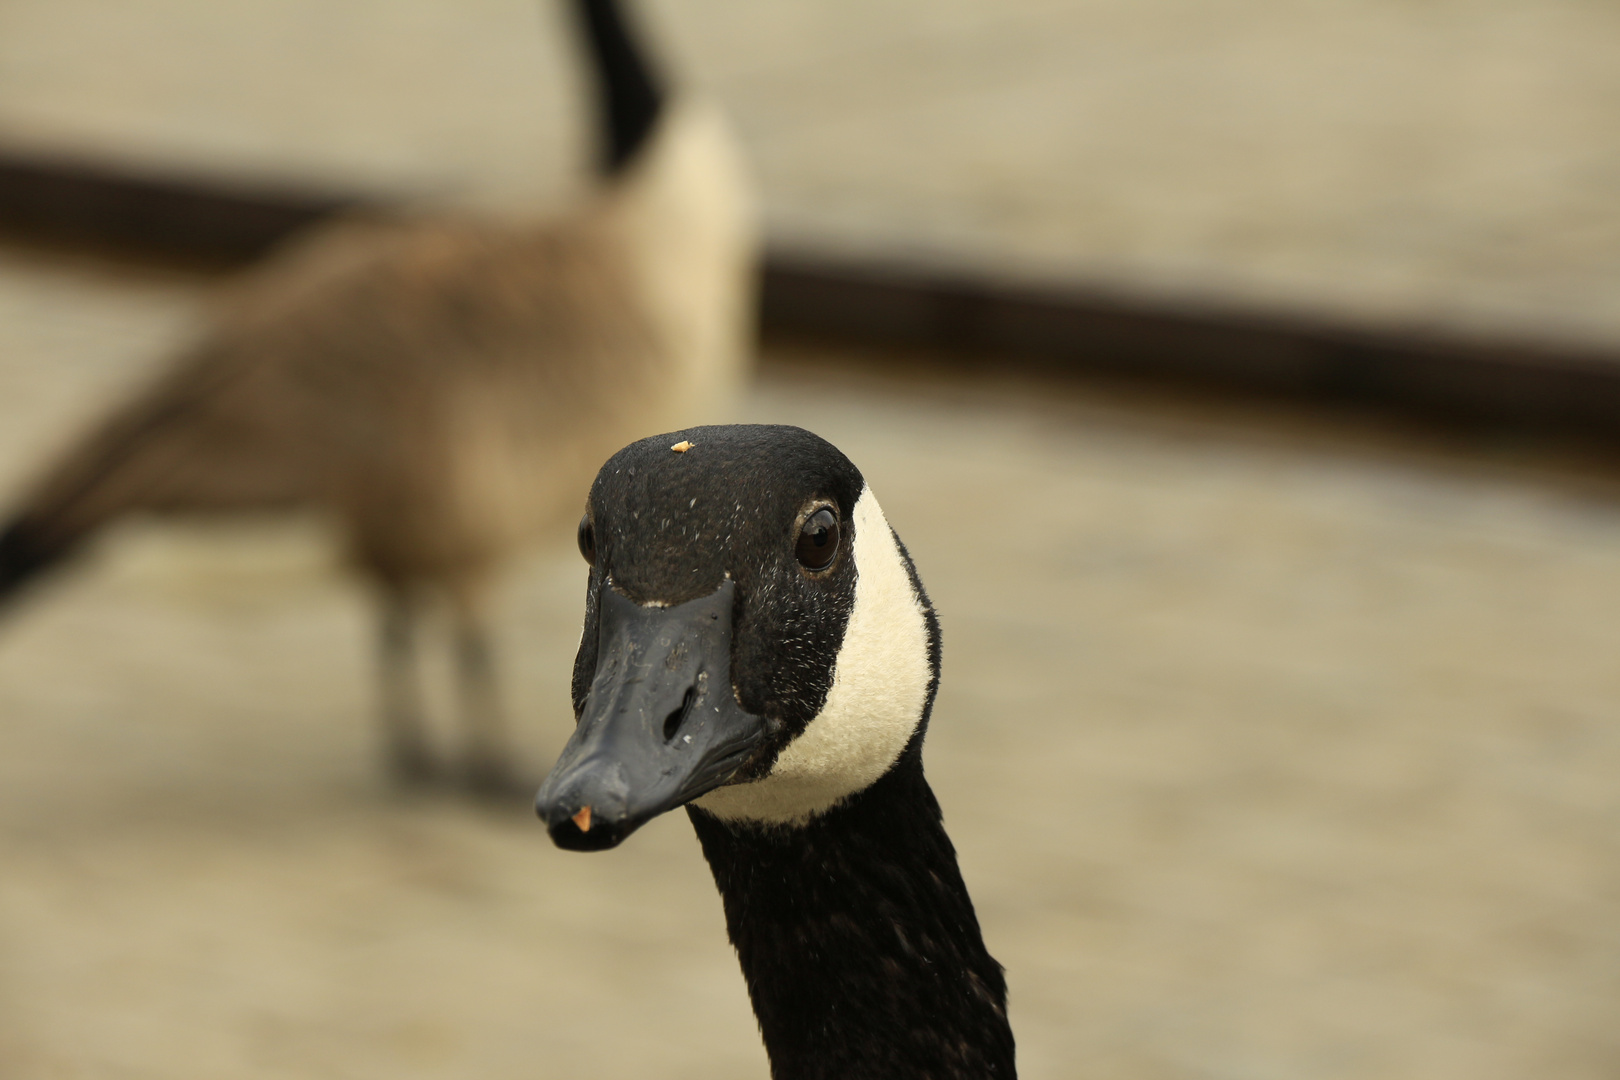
{"x": 880, "y": 685}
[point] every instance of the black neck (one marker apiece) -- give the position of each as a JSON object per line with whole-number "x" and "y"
{"x": 630, "y": 98}
{"x": 858, "y": 940}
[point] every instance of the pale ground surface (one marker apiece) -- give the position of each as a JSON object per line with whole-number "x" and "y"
{"x": 1268, "y": 754}
{"x": 1449, "y": 162}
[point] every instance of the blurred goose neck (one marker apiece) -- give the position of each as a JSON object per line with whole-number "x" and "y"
{"x": 630, "y": 98}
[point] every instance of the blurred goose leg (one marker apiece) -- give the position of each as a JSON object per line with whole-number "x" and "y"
{"x": 486, "y": 765}
{"x": 405, "y": 738}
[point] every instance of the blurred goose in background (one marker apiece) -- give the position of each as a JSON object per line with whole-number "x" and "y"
{"x": 445, "y": 389}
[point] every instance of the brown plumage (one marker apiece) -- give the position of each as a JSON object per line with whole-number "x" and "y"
{"x": 443, "y": 389}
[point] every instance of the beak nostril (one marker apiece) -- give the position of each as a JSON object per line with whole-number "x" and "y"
{"x": 673, "y": 722}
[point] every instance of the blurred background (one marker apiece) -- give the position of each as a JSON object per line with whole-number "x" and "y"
{"x": 1279, "y": 731}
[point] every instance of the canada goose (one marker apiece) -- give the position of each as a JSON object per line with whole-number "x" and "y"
{"x": 443, "y": 388}
{"x": 758, "y": 647}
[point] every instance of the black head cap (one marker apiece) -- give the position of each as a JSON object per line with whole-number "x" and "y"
{"x": 671, "y": 526}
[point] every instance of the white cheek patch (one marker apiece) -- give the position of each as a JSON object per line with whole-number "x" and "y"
{"x": 880, "y": 685}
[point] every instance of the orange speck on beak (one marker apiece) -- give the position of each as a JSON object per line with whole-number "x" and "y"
{"x": 583, "y": 819}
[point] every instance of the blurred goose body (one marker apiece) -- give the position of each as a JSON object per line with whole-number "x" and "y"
{"x": 758, "y": 648}
{"x": 445, "y": 389}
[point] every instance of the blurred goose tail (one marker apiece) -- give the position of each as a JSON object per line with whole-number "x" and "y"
{"x": 24, "y": 551}
{"x": 147, "y": 455}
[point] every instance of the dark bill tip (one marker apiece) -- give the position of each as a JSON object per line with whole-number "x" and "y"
{"x": 584, "y": 829}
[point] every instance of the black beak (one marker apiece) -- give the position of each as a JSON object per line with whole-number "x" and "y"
{"x": 661, "y": 725}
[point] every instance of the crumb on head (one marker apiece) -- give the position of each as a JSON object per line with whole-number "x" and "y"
{"x": 681, "y": 447}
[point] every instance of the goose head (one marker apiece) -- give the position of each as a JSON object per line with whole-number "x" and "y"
{"x": 756, "y": 641}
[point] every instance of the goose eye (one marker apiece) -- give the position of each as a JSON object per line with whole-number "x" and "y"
{"x": 818, "y": 540}
{"x": 587, "y": 539}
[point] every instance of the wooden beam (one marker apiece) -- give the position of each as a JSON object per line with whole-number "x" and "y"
{"x": 979, "y": 319}
{"x": 1455, "y": 377}
{"x": 74, "y": 201}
